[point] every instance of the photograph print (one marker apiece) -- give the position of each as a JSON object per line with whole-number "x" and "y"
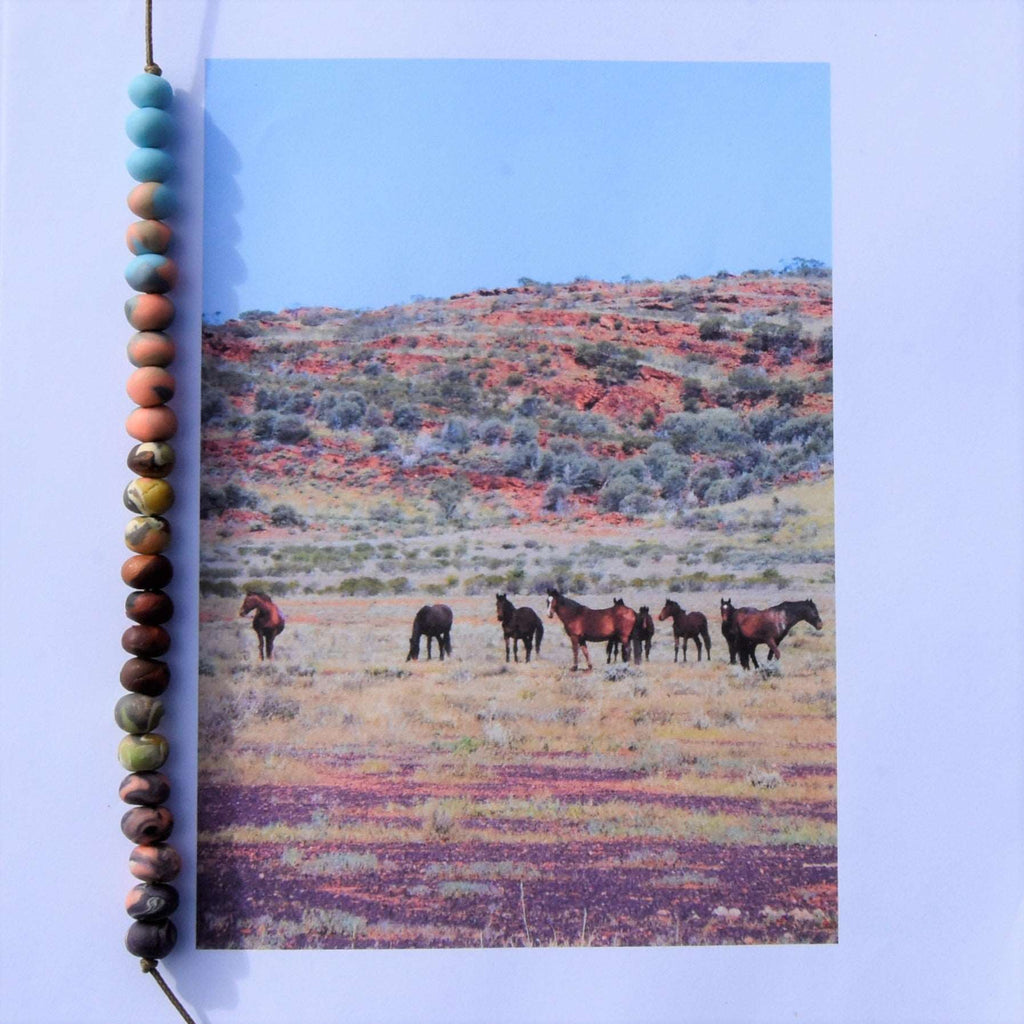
{"x": 517, "y": 562}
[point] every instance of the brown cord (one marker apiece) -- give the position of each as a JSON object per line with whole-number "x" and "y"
{"x": 151, "y": 68}
{"x": 150, "y": 967}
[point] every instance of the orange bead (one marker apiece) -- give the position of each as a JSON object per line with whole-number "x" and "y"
{"x": 150, "y": 385}
{"x": 156, "y": 423}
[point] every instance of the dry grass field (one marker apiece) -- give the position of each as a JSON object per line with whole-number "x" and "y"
{"x": 352, "y": 799}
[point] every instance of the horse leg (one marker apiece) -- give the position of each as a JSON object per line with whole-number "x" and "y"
{"x": 575, "y": 653}
{"x": 507, "y": 656}
{"x": 259, "y": 637}
{"x": 586, "y": 654}
{"x": 270, "y": 645}
{"x": 527, "y": 646}
{"x": 515, "y": 649}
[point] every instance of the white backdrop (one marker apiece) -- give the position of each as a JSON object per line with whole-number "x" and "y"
{"x": 927, "y": 123}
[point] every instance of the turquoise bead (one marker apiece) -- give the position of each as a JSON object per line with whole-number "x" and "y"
{"x": 150, "y": 164}
{"x": 148, "y": 90}
{"x": 150, "y": 127}
{"x": 151, "y": 273}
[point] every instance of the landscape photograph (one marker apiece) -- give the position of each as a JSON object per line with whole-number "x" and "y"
{"x": 517, "y": 519}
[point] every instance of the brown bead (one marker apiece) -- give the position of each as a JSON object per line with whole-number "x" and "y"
{"x": 147, "y": 572}
{"x": 146, "y": 641}
{"x": 151, "y": 940}
{"x": 141, "y": 675}
{"x": 156, "y": 863}
{"x": 148, "y": 789}
{"x": 157, "y": 423}
{"x": 151, "y": 348}
{"x": 151, "y": 901}
{"x": 150, "y": 385}
{"x": 150, "y": 607}
{"x": 152, "y": 459}
{"x": 147, "y": 824}
{"x": 147, "y": 535}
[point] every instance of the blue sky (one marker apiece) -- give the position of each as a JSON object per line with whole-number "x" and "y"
{"x": 360, "y": 183}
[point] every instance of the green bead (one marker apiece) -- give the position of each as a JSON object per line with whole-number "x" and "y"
{"x": 136, "y": 713}
{"x": 143, "y": 753}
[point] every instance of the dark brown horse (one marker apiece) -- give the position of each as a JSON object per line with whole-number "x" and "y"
{"x": 268, "y": 620}
{"x": 519, "y": 624}
{"x": 686, "y": 626}
{"x": 731, "y": 631}
{"x": 770, "y": 626}
{"x": 432, "y": 621}
{"x": 582, "y": 624}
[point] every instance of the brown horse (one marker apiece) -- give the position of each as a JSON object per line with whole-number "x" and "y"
{"x": 731, "y": 631}
{"x": 518, "y": 624}
{"x": 686, "y": 626}
{"x": 268, "y": 620}
{"x": 770, "y": 626}
{"x": 582, "y": 624}
{"x": 432, "y": 621}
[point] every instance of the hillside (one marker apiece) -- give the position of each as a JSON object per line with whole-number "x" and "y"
{"x": 588, "y": 402}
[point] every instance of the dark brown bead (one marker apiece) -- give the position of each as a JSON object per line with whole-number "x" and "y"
{"x": 151, "y": 901}
{"x": 146, "y": 789}
{"x": 155, "y": 863}
{"x": 141, "y": 675}
{"x": 146, "y": 641}
{"x": 147, "y": 572}
{"x": 150, "y": 607}
{"x": 151, "y": 458}
{"x": 151, "y": 940}
{"x": 147, "y": 824}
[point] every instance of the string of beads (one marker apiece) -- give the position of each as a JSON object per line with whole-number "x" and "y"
{"x": 142, "y": 751}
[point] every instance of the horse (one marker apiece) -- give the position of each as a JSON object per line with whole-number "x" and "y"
{"x": 582, "y": 624}
{"x": 432, "y": 620}
{"x": 614, "y": 647}
{"x": 731, "y": 631}
{"x": 770, "y": 626}
{"x": 686, "y": 626}
{"x": 519, "y": 624}
{"x": 643, "y": 633}
{"x": 268, "y": 622}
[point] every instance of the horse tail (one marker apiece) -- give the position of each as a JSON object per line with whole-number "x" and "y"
{"x": 539, "y": 635}
{"x": 707, "y": 637}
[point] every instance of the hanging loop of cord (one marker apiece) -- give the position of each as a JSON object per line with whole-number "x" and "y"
{"x": 150, "y": 68}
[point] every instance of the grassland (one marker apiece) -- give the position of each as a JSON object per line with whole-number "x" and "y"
{"x": 351, "y": 798}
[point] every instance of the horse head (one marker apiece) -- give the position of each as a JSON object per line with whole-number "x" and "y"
{"x": 553, "y": 598}
{"x": 500, "y": 600}
{"x": 812, "y": 614}
{"x": 251, "y": 601}
{"x": 670, "y": 609}
{"x": 727, "y": 608}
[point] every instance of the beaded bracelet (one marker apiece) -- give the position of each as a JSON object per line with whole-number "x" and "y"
{"x": 151, "y": 273}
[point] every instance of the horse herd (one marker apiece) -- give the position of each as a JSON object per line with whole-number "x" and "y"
{"x": 627, "y": 633}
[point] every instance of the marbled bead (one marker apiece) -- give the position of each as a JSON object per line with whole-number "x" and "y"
{"x": 153, "y": 200}
{"x": 150, "y": 164}
{"x": 152, "y": 272}
{"x": 143, "y": 675}
{"x": 151, "y": 940}
{"x": 152, "y": 423}
{"x": 150, "y": 607}
{"x": 150, "y": 348}
{"x": 148, "y": 312}
{"x": 153, "y": 458}
{"x": 148, "y": 90}
{"x": 137, "y": 713}
{"x": 143, "y": 753}
{"x": 147, "y": 535}
{"x": 151, "y": 901}
{"x": 152, "y": 236}
{"x": 147, "y": 572}
{"x": 150, "y": 385}
{"x": 149, "y": 126}
{"x": 147, "y": 789}
{"x": 155, "y": 863}
{"x": 146, "y": 641}
{"x": 147, "y": 825}
{"x": 148, "y": 497}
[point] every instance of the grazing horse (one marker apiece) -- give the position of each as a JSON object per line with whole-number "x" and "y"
{"x": 770, "y": 626}
{"x": 582, "y": 624}
{"x": 686, "y": 626}
{"x": 519, "y": 624}
{"x": 268, "y": 620}
{"x": 432, "y": 620}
